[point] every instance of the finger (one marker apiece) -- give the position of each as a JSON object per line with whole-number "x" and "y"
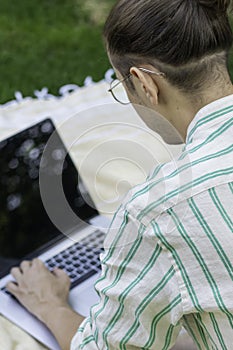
{"x": 16, "y": 273}
{"x": 12, "y": 287}
{"x": 61, "y": 274}
{"x": 37, "y": 263}
{"x": 25, "y": 265}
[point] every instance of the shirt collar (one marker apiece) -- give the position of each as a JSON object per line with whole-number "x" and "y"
{"x": 209, "y": 114}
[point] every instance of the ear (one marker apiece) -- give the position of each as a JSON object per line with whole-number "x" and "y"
{"x": 147, "y": 85}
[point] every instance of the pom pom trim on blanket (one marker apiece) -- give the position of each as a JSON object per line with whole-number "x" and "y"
{"x": 64, "y": 90}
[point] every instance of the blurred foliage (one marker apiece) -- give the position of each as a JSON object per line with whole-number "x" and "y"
{"x": 51, "y": 43}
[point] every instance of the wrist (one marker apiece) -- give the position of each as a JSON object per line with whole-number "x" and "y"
{"x": 62, "y": 321}
{"x": 49, "y": 310}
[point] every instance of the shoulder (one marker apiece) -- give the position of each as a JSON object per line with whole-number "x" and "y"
{"x": 174, "y": 182}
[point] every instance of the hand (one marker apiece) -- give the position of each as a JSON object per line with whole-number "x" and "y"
{"x": 38, "y": 289}
{"x": 45, "y": 294}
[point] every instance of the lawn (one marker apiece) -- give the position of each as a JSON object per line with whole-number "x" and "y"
{"x": 51, "y": 43}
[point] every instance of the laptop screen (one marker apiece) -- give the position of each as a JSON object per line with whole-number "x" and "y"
{"x": 25, "y": 226}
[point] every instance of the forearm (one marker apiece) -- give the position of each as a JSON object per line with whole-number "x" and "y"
{"x": 63, "y": 322}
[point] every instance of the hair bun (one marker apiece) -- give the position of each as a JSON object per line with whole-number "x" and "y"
{"x": 219, "y": 5}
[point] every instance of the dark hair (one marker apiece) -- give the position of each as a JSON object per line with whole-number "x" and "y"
{"x": 183, "y": 38}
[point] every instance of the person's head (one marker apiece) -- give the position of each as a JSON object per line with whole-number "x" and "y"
{"x": 187, "y": 40}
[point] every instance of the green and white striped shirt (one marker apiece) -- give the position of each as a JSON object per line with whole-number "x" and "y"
{"x": 168, "y": 255}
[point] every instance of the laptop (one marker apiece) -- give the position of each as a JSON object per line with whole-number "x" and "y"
{"x": 31, "y": 227}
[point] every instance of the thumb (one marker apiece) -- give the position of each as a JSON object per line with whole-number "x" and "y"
{"x": 60, "y": 274}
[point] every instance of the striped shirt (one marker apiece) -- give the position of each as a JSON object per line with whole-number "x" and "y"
{"x": 168, "y": 255}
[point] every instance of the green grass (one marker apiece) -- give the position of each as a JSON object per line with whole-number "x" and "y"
{"x": 51, "y": 43}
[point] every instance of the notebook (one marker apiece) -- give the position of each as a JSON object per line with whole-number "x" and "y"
{"x": 35, "y": 221}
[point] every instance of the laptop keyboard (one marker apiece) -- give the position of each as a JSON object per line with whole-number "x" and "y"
{"x": 81, "y": 260}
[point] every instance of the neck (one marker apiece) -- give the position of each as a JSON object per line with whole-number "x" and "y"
{"x": 180, "y": 109}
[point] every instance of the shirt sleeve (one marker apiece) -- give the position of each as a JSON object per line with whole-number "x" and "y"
{"x": 140, "y": 302}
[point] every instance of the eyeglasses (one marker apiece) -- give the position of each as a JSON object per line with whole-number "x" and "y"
{"x": 118, "y": 91}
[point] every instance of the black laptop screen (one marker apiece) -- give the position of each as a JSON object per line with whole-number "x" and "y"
{"x": 25, "y": 226}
